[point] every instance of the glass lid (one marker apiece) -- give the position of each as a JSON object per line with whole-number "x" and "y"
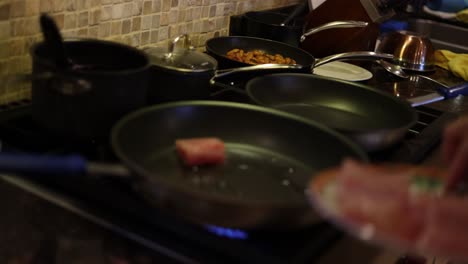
{"x": 182, "y": 59}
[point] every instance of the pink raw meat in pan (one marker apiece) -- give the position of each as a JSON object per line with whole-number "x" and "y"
{"x": 201, "y": 151}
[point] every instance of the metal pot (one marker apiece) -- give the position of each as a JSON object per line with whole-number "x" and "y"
{"x": 82, "y": 104}
{"x": 412, "y": 51}
{"x": 179, "y": 74}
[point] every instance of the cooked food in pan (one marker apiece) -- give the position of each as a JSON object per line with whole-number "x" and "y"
{"x": 258, "y": 57}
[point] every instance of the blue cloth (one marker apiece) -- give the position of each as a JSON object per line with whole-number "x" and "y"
{"x": 393, "y": 25}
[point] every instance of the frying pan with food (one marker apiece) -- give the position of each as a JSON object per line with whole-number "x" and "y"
{"x": 270, "y": 156}
{"x": 219, "y": 47}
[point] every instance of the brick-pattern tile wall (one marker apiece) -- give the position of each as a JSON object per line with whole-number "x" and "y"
{"x": 138, "y": 23}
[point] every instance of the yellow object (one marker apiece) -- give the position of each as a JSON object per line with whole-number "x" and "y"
{"x": 454, "y": 62}
{"x": 462, "y": 15}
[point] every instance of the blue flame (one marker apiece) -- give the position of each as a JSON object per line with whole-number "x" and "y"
{"x": 228, "y": 232}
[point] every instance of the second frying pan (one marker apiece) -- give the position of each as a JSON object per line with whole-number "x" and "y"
{"x": 373, "y": 119}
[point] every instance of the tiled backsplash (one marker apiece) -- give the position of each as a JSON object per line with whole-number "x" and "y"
{"x": 138, "y": 23}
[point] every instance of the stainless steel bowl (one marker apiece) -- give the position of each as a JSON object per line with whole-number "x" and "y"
{"x": 411, "y": 50}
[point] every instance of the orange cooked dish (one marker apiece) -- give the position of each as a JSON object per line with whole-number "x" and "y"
{"x": 258, "y": 57}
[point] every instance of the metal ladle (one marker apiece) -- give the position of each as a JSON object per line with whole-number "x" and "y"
{"x": 60, "y": 79}
{"x": 393, "y": 68}
{"x": 55, "y": 43}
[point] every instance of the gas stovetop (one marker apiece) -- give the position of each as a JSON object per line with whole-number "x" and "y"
{"x": 113, "y": 204}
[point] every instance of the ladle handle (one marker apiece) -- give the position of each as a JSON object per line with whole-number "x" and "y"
{"x": 258, "y": 67}
{"x": 54, "y": 40}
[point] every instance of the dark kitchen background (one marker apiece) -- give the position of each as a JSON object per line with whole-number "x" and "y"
{"x": 101, "y": 220}
{"x": 137, "y": 23}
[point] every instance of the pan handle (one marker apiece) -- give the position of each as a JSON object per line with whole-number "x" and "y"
{"x": 301, "y": 7}
{"x": 44, "y": 164}
{"x": 266, "y": 66}
{"x": 334, "y": 24}
{"x": 72, "y": 165}
{"x": 354, "y": 55}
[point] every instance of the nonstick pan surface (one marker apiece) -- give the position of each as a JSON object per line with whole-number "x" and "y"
{"x": 270, "y": 156}
{"x": 373, "y": 119}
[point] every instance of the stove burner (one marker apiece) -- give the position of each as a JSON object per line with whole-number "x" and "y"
{"x": 228, "y": 232}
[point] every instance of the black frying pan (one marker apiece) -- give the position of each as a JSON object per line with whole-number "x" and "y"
{"x": 375, "y": 120}
{"x": 270, "y": 158}
{"x": 218, "y": 48}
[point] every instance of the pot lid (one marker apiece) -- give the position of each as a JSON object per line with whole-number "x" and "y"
{"x": 182, "y": 59}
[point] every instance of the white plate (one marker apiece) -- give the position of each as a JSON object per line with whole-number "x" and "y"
{"x": 344, "y": 71}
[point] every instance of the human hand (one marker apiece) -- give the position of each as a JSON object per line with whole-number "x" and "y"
{"x": 455, "y": 151}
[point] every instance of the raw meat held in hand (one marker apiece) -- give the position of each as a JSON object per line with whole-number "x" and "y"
{"x": 403, "y": 204}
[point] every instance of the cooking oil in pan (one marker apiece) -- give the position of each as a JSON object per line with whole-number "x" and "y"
{"x": 249, "y": 172}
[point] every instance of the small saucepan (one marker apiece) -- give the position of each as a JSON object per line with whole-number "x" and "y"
{"x": 81, "y": 87}
{"x": 116, "y": 76}
{"x": 412, "y": 51}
